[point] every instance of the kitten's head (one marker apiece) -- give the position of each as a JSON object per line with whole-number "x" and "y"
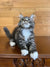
{"x": 26, "y": 22}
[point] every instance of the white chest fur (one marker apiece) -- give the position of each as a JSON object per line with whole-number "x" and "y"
{"x": 26, "y": 33}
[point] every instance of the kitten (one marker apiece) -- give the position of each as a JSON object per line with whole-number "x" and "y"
{"x": 23, "y": 36}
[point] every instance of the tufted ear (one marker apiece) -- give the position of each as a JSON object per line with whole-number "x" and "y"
{"x": 21, "y": 16}
{"x": 32, "y": 16}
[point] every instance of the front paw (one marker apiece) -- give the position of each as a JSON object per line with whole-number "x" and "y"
{"x": 24, "y": 52}
{"x": 34, "y": 55}
{"x": 12, "y": 44}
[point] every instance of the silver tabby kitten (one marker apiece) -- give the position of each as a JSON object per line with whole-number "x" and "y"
{"x": 23, "y": 36}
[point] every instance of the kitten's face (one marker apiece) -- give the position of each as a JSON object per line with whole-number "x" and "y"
{"x": 26, "y": 22}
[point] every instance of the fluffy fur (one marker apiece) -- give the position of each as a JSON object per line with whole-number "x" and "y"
{"x": 23, "y": 36}
{"x": 24, "y": 52}
{"x": 26, "y": 33}
{"x": 34, "y": 55}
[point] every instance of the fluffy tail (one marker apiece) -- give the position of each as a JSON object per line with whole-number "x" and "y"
{"x": 7, "y": 32}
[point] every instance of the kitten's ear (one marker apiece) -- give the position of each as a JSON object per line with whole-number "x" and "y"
{"x": 21, "y": 16}
{"x": 32, "y": 16}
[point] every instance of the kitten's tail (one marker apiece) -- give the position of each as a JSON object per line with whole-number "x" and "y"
{"x": 7, "y": 32}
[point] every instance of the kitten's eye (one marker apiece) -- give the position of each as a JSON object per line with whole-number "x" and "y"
{"x": 22, "y": 19}
{"x": 28, "y": 18}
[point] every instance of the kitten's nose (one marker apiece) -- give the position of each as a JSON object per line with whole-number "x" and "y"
{"x": 26, "y": 22}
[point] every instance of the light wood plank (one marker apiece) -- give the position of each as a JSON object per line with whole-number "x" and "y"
{"x": 39, "y": 30}
{"x": 6, "y": 21}
{"x": 32, "y": 3}
{"x": 16, "y": 11}
{"x": 42, "y": 30}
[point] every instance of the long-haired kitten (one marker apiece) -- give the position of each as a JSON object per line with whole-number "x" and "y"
{"x": 23, "y": 36}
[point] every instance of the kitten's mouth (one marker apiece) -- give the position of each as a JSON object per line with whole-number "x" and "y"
{"x": 26, "y": 25}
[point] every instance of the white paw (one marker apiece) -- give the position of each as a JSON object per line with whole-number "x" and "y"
{"x": 12, "y": 44}
{"x": 34, "y": 55}
{"x": 24, "y": 52}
